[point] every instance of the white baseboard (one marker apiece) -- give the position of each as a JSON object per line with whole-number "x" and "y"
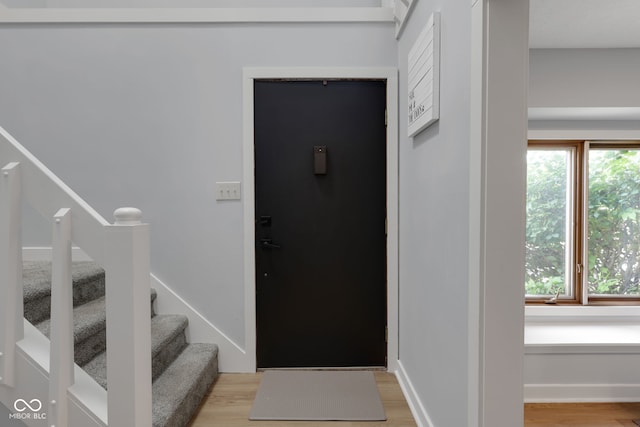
{"x": 417, "y": 408}
{"x": 558, "y": 393}
{"x": 231, "y": 357}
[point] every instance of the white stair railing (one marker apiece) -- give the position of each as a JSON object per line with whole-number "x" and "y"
{"x": 123, "y": 251}
{"x": 11, "y": 308}
{"x": 128, "y": 320}
{"x": 61, "y": 354}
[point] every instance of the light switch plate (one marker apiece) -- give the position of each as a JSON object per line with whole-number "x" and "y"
{"x": 228, "y": 190}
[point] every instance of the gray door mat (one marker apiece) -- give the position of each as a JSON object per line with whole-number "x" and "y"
{"x": 318, "y": 396}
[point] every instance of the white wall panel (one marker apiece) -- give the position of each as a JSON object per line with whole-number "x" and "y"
{"x": 584, "y": 78}
{"x": 434, "y": 206}
{"x": 151, "y": 116}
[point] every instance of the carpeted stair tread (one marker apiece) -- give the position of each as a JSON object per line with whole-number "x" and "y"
{"x": 180, "y": 389}
{"x": 88, "y": 319}
{"x": 167, "y": 341}
{"x": 36, "y": 276}
{"x": 164, "y": 329}
{"x": 182, "y": 373}
{"x": 89, "y": 330}
{"x": 88, "y": 284}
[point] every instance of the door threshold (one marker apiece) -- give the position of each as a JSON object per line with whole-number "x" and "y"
{"x": 338, "y": 368}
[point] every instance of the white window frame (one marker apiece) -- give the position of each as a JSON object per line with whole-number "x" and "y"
{"x": 582, "y": 130}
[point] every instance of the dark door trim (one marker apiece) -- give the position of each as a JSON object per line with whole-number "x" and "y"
{"x": 388, "y": 74}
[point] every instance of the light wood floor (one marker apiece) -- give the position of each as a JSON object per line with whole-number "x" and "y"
{"x": 231, "y": 397}
{"x": 229, "y": 402}
{"x": 581, "y": 414}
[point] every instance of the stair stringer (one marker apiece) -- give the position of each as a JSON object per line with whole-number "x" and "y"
{"x": 231, "y": 357}
{"x": 86, "y": 398}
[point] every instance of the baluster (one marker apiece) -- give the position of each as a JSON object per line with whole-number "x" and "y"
{"x": 11, "y": 298}
{"x": 128, "y": 320}
{"x": 61, "y": 355}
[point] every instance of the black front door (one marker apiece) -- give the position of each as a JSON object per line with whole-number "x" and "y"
{"x": 320, "y": 188}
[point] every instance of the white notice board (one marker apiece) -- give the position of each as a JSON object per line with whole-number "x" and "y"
{"x": 424, "y": 77}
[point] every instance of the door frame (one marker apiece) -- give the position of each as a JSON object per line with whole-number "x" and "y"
{"x": 388, "y": 74}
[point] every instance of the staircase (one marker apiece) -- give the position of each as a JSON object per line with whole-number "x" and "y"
{"x": 182, "y": 373}
{"x": 98, "y": 320}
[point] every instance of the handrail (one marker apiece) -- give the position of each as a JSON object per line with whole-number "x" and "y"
{"x": 123, "y": 251}
{"x": 45, "y": 192}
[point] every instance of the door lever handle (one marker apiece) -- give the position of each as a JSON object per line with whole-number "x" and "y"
{"x": 268, "y": 244}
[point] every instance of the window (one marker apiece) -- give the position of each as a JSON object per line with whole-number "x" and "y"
{"x": 583, "y": 222}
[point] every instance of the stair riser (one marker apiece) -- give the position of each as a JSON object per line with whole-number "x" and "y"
{"x": 154, "y": 296}
{"x": 38, "y": 310}
{"x": 88, "y": 290}
{"x": 167, "y": 355}
{"x": 191, "y": 402}
{"x": 178, "y": 392}
{"x": 89, "y": 348}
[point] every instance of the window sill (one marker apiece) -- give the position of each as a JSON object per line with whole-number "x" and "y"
{"x": 550, "y": 330}
{"x": 580, "y": 313}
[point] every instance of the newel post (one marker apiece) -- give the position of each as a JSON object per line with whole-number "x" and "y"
{"x": 128, "y": 320}
{"x": 11, "y": 308}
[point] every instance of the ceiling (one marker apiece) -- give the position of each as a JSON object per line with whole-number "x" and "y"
{"x": 584, "y": 23}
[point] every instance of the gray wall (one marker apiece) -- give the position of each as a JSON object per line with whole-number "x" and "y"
{"x": 151, "y": 116}
{"x": 188, "y": 3}
{"x": 24, "y": 3}
{"x": 584, "y": 78}
{"x": 5, "y": 421}
{"x": 211, "y": 3}
{"x": 434, "y": 218}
